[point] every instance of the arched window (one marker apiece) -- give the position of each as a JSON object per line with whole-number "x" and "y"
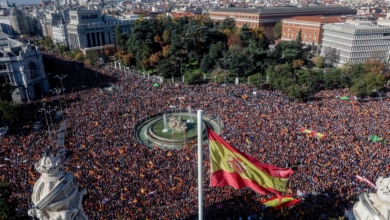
{"x": 32, "y": 69}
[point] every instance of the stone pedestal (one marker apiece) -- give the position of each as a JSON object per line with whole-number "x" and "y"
{"x": 374, "y": 206}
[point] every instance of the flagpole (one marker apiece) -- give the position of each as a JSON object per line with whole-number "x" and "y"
{"x": 200, "y": 164}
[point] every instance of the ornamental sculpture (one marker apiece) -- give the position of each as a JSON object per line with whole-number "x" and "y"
{"x": 55, "y": 194}
{"x": 374, "y": 206}
{"x": 177, "y": 124}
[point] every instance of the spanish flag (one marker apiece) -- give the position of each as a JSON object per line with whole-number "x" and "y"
{"x": 277, "y": 204}
{"x": 230, "y": 166}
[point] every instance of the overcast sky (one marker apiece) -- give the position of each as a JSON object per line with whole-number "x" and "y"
{"x": 18, "y": 2}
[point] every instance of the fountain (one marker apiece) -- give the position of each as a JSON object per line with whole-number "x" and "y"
{"x": 165, "y": 130}
{"x": 190, "y": 120}
{"x": 172, "y": 132}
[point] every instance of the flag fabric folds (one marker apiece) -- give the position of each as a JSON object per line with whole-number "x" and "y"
{"x": 375, "y": 138}
{"x": 230, "y": 166}
{"x": 277, "y": 204}
{"x": 317, "y": 135}
{"x": 345, "y": 98}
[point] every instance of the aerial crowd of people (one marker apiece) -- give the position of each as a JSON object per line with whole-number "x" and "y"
{"x": 125, "y": 179}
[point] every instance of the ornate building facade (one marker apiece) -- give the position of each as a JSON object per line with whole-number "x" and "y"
{"x": 267, "y": 17}
{"x": 21, "y": 66}
{"x": 89, "y": 29}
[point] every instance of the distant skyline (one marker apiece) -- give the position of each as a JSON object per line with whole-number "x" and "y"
{"x": 20, "y": 2}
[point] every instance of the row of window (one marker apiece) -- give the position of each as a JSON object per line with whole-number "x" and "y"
{"x": 301, "y": 25}
{"x": 371, "y": 48}
{"x": 87, "y": 17}
{"x": 305, "y": 37}
{"x": 293, "y": 30}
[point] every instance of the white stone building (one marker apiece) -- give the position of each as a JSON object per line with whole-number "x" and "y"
{"x": 60, "y": 34}
{"x": 89, "y": 29}
{"x": 21, "y": 66}
{"x": 356, "y": 41}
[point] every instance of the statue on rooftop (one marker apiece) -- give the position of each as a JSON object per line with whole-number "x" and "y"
{"x": 55, "y": 194}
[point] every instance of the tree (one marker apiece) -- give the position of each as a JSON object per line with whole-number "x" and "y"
{"x": 228, "y": 23}
{"x": 299, "y": 38}
{"x": 246, "y": 35}
{"x": 234, "y": 39}
{"x": 364, "y": 85}
{"x": 297, "y": 64}
{"x": 120, "y": 38}
{"x": 331, "y": 56}
{"x": 79, "y": 56}
{"x": 255, "y": 80}
{"x": 166, "y": 37}
{"x": 154, "y": 59}
{"x": 7, "y": 208}
{"x": 61, "y": 48}
{"x": 92, "y": 58}
{"x": 278, "y": 30}
{"x": 9, "y": 111}
{"x": 204, "y": 65}
{"x": 5, "y": 92}
{"x": 335, "y": 78}
{"x": 128, "y": 60}
{"x": 193, "y": 78}
{"x": 319, "y": 61}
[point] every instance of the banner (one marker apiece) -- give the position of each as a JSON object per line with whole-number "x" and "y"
{"x": 360, "y": 178}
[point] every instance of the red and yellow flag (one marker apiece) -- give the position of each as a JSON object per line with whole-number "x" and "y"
{"x": 277, "y": 204}
{"x": 230, "y": 166}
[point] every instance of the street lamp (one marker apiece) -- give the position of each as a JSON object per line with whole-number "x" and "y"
{"x": 63, "y": 89}
{"x": 49, "y": 112}
{"x": 225, "y": 60}
{"x": 181, "y": 65}
{"x": 262, "y": 65}
{"x": 43, "y": 109}
{"x": 380, "y": 93}
{"x": 58, "y": 92}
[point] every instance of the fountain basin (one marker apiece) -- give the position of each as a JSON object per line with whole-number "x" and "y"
{"x": 151, "y": 132}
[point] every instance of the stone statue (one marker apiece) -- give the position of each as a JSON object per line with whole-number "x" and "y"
{"x": 177, "y": 124}
{"x": 55, "y": 194}
{"x": 374, "y": 206}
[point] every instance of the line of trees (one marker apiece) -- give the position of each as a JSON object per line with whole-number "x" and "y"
{"x": 199, "y": 46}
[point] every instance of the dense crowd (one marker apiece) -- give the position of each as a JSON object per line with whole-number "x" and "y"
{"x": 128, "y": 180}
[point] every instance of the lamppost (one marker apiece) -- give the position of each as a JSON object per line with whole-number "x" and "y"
{"x": 262, "y": 65}
{"x": 225, "y": 60}
{"x": 43, "y": 109}
{"x": 49, "y": 112}
{"x": 380, "y": 93}
{"x": 58, "y": 92}
{"x": 181, "y": 65}
{"x": 63, "y": 89}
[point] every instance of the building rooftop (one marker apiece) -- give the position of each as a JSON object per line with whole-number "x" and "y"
{"x": 356, "y": 27}
{"x": 317, "y": 19}
{"x": 286, "y": 10}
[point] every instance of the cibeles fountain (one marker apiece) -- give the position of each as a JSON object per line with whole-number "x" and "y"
{"x": 374, "y": 206}
{"x": 55, "y": 194}
{"x": 173, "y": 129}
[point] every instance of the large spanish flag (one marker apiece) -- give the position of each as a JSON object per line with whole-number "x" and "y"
{"x": 230, "y": 166}
{"x": 277, "y": 204}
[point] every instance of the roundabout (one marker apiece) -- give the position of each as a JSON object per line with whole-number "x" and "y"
{"x": 157, "y": 132}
